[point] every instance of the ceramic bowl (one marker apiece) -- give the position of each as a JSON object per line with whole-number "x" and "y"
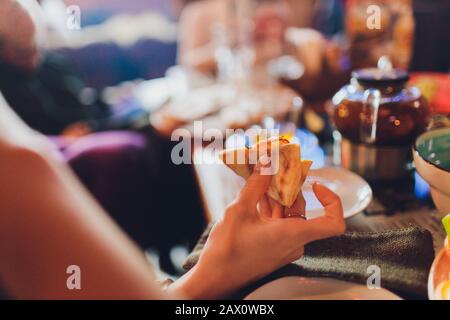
{"x": 431, "y": 154}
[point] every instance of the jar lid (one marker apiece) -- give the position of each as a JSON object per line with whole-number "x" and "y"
{"x": 376, "y": 76}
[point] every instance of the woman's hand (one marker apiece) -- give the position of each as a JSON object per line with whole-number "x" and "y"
{"x": 254, "y": 239}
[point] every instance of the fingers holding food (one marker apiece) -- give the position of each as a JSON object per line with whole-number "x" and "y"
{"x": 332, "y": 223}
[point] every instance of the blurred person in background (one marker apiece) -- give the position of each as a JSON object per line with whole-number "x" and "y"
{"x": 416, "y": 39}
{"x": 271, "y": 20}
{"x": 61, "y": 102}
{"x": 429, "y": 36}
{"x": 310, "y": 31}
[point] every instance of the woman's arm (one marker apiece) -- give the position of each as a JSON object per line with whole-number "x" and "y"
{"x": 49, "y": 222}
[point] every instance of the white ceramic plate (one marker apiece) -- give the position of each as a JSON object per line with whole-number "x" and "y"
{"x": 354, "y": 191}
{"x": 300, "y": 288}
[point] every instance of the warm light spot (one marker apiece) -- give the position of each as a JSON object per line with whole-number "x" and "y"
{"x": 343, "y": 112}
{"x": 443, "y": 291}
{"x": 395, "y": 121}
{"x": 287, "y": 136}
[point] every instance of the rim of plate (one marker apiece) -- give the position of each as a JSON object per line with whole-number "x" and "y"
{"x": 365, "y": 202}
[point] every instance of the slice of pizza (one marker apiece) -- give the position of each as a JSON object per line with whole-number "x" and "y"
{"x": 289, "y": 170}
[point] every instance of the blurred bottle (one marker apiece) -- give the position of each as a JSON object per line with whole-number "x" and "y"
{"x": 376, "y": 28}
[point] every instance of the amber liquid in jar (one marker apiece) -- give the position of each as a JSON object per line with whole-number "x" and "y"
{"x": 403, "y": 114}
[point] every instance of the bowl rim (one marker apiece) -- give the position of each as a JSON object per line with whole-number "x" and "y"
{"x": 423, "y": 158}
{"x": 420, "y": 173}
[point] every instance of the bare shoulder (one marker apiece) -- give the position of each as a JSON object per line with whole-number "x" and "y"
{"x": 26, "y": 174}
{"x": 22, "y": 165}
{"x": 10, "y": 150}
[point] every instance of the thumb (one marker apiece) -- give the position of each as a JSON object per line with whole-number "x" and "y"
{"x": 257, "y": 185}
{"x": 330, "y": 201}
{"x": 332, "y": 223}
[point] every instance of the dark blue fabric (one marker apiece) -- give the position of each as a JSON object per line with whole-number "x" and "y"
{"x": 106, "y": 64}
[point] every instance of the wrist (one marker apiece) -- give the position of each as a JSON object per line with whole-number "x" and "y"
{"x": 200, "y": 283}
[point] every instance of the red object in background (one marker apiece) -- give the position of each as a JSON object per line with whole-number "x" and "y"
{"x": 436, "y": 88}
